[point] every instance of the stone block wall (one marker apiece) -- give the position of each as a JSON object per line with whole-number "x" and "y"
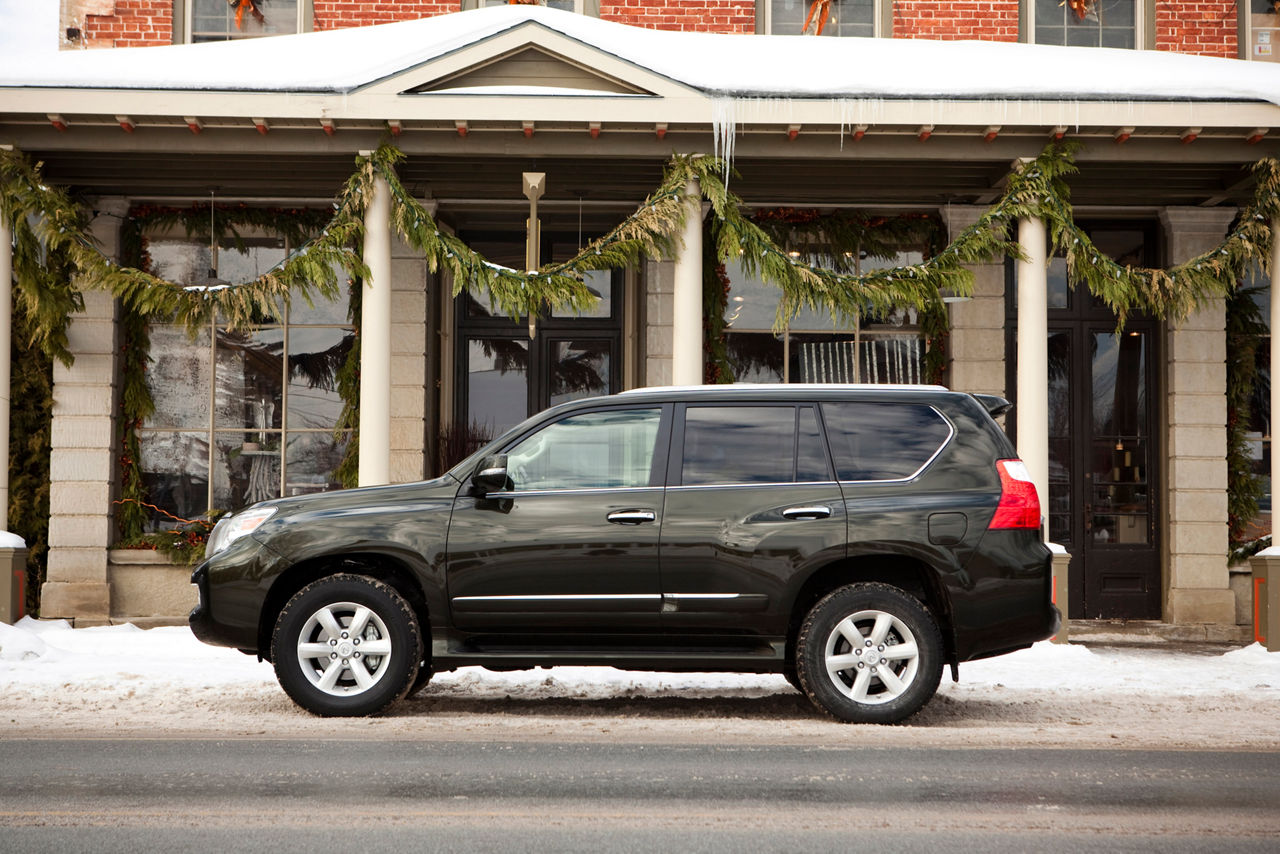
{"x": 1198, "y": 582}
{"x": 408, "y": 363}
{"x": 83, "y": 461}
{"x": 975, "y": 348}
{"x": 659, "y": 311}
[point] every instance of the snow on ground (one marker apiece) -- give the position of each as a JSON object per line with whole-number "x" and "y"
{"x": 55, "y": 680}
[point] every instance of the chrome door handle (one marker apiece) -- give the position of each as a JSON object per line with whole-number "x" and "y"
{"x": 631, "y": 517}
{"x": 817, "y": 511}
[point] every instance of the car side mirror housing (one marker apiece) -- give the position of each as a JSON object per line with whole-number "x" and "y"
{"x": 491, "y": 474}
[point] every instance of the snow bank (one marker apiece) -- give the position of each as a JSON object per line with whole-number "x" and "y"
{"x": 42, "y": 657}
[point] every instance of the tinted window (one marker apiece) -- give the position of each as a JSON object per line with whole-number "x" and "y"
{"x": 595, "y": 450}
{"x": 882, "y": 441}
{"x": 752, "y": 444}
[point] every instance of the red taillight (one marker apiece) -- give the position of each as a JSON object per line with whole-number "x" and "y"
{"x": 1019, "y": 505}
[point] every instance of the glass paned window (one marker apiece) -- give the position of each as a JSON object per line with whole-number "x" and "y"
{"x": 739, "y": 444}
{"x": 1106, "y": 23}
{"x": 817, "y": 347}
{"x": 612, "y": 449}
{"x": 846, "y": 17}
{"x": 241, "y": 416}
{"x": 882, "y": 441}
{"x": 497, "y": 383}
{"x": 220, "y": 20}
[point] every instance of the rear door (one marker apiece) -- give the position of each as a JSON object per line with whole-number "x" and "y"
{"x": 751, "y": 501}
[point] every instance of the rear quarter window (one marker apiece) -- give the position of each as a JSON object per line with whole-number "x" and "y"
{"x": 883, "y": 441}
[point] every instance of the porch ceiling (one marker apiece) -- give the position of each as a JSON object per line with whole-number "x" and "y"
{"x": 482, "y": 193}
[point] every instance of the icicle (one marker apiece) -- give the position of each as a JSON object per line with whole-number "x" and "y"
{"x": 724, "y": 130}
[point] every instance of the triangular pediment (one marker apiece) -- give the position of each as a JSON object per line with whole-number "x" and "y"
{"x": 530, "y": 67}
{"x": 528, "y": 59}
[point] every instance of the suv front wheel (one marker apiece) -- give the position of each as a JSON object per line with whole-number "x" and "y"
{"x": 869, "y": 653}
{"x": 346, "y": 645}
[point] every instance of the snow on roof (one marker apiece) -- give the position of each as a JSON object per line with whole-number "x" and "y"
{"x": 342, "y": 61}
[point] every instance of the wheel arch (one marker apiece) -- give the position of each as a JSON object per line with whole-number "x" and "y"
{"x": 385, "y": 568}
{"x": 909, "y": 574}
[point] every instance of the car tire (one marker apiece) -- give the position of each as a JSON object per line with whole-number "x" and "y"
{"x": 847, "y": 663}
{"x": 420, "y": 681}
{"x": 346, "y": 646}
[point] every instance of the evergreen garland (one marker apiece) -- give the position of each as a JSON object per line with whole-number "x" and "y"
{"x": 1245, "y": 331}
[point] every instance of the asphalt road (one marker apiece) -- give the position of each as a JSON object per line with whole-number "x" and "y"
{"x": 431, "y": 795}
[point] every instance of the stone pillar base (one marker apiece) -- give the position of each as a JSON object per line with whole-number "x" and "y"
{"x": 83, "y": 602}
{"x": 1191, "y": 605}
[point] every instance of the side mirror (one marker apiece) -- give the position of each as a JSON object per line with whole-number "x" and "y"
{"x": 491, "y": 475}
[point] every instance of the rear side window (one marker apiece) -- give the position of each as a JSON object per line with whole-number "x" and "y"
{"x": 752, "y": 444}
{"x": 883, "y": 441}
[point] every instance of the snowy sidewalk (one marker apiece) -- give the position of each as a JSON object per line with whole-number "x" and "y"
{"x": 55, "y": 679}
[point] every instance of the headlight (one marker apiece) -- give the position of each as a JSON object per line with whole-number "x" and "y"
{"x": 231, "y": 528}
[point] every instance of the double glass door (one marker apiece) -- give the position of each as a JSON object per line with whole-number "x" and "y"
{"x": 1104, "y": 448}
{"x": 504, "y": 375}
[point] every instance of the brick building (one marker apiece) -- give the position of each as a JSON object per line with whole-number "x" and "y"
{"x": 891, "y": 111}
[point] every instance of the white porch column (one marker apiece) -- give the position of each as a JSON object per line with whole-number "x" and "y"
{"x": 6, "y": 335}
{"x": 375, "y": 341}
{"x": 1033, "y": 354}
{"x": 686, "y": 346}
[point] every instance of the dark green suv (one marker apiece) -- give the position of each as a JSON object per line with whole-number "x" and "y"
{"x": 852, "y": 538}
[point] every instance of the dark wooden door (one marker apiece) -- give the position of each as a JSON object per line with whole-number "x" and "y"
{"x": 1104, "y": 447}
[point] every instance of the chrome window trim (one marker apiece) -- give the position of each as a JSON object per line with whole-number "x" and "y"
{"x": 682, "y": 596}
{"x": 588, "y": 489}
{"x": 753, "y": 485}
{"x": 560, "y": 597}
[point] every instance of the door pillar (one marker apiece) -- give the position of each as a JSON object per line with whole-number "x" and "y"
{"x": 82, "y": 463}
{"x": 686, "y": 345}
{"x": 375, "y": 341}
{"x": 975, "y": 347}
{"x": 1197, "y": 583}
{"x": 1032, "y": 276}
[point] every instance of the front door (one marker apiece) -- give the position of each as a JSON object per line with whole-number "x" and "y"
{"x": 572, "y": 543}
{"x": 1104, "y": 448}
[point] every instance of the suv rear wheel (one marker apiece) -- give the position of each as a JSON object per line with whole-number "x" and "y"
{"x": 346, "y": 645}
{"x": 869, "y": 653}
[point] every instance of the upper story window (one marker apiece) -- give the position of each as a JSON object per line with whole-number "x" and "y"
{"x": 1262, "y": 30}
{"x": 1085, "y": 23}
{"x": 843, "y": 17}
{"x": 581, "y": 7}
{"x": 225, "y": 20}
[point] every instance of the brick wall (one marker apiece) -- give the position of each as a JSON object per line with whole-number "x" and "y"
{"x": 985, "y": 20}
{"x": 338, "y": 14}
{"x": 131, "y": 23}
{"x": 1206, "y": 27}
{"x": 708, "y": 16}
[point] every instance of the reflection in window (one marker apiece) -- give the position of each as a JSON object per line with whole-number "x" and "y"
{"x": 497, "y": 383}
{"x": 241, "y": 416}
{"x": 579, "y": 369}
{"x": 1105, "y": 23}
{"x": 846, "y": 18}
{"x": 739, "y": 444}
{"x": 882, "y": 441}
{"x": 816, "y": 347}
{"x": 224, "y": 20}
{"x": 612, "y": 449}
